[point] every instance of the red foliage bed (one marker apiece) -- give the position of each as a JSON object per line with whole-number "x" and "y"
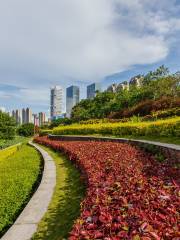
{"x": 129, "y": 194}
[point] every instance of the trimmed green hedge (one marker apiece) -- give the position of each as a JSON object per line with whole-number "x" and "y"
{"x": 45, "y": 132}
{"x": 20, "y": 168}
{"x": 168, "y": 127}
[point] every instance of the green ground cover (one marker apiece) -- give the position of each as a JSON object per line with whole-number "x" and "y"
{"x": 9, "y": 142}
{"x": 160, "y": 128}
{"x": 65, "y": 205}
{"x": 19, "y": 175}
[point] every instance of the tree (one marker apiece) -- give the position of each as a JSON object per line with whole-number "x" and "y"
{"x": 7, "y": 126}
{"x": 26, "y": 130}
{"x": 162, "y": 71}
{"x": 60, "y": 121}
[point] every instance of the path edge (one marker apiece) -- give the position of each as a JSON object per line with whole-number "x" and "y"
{"x": 27, "y": 223}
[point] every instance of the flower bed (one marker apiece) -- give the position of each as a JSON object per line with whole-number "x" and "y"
{"x": 168, "y": 127}
{"x": 129, "y": 194}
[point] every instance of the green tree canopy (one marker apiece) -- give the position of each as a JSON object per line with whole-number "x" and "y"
{"x": 26, "y": 130}
{"x": 7, "y": 126}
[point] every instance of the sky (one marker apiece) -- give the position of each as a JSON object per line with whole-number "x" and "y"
{"x": 78, "y": 42}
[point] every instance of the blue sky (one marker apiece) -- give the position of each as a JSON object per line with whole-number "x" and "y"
{"x": 67, "y": 42}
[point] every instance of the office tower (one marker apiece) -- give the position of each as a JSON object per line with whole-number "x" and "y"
{"x": 35, "y": 119}
{"x": 56, "y": 101}
{"x": 23, "y": 115}
{"x": 92, "y": 89}
{"x": 13, "y": 114}
{"x": 72, "y": 98}
{"x": 42, "y": 118}
{"x": 18, "y": 116}
{"x": 28, "y": 115}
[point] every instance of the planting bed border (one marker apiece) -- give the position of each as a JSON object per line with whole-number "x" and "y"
{"x": 170, "y": 151}
{"x": 26, "y": 224}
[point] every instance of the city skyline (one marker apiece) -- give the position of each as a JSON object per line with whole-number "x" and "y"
{"x": 124, "y": 38}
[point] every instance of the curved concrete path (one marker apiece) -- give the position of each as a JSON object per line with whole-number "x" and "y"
{"x": 26, "y": 224}
{"x": 114, "y": 139}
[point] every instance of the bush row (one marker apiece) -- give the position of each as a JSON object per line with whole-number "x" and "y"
{"x": 147, "y": 107}
{"x": 168, "y": 127}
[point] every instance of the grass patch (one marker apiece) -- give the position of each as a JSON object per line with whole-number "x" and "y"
{"x": 19, "y": 173}
{"x": 65, "y": 204}
{"x": 6, "y": 143}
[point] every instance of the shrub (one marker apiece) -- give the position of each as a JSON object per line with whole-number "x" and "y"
{"x": 7, "y": 126}
{"x": 26, "y": 130}
{"x": 166, "y": 113}
{"x": 19, "y": 171}
{"x": 45, "y": 132}
{"x": 168, "y": 127}
{"x": 146, "y": 107}
{"x": 129, "y": 194}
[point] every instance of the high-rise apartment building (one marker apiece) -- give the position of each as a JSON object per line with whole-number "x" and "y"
{"x": 56, "y": 101}
{"x": 13, "y": 114}
{"x": 92, "y": 89}
{"x": 23, "y": 115}
{"x": 28, "y": 115}
{"x": 42, "y": 118}
{"x": 18, "y": 116}
{"x": 72, "y": 98}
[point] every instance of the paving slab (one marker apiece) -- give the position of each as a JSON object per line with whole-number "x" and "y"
{"x": 26, "y": 224}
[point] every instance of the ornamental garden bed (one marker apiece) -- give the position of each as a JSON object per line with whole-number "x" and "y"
{"x": 130, "y": 195}
{"x": 20, "y": 172}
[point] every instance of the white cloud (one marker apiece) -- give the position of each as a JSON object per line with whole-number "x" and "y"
{"x": 52, "y": 40}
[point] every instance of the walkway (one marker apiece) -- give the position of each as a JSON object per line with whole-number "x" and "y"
{"x": 26, "y": 224}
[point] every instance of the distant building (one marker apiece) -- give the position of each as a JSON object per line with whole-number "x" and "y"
{"x": 28, "y": 115}
{"x": 13, "y": 114}
{"x": 23, "y": 115}
{"x": 35, "y": 120}
{"x": 136, "y": 81}
{"x": 42, "y": 118}
{"x": 122, "y": 86}
{"x": 72, "y": 98}
{"x": 112, "y": 88}
{"x": 18, "y": 116}
{"x": 92, "y": 89}
{"x": 56, "y": 101}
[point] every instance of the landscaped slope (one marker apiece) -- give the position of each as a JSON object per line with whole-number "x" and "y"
{"x": 65, "y": 204}
{"x": 167, "y": 127}
{"x": 129, "y": 194}
{"x": 19, "y": 171}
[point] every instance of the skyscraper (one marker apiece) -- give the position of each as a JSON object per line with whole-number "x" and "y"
{"x": 42, "y": 118}
{"x": 56, "y": 101}
{"x": 91, "y": 90}
{"x": 18, "y": 116}
{"x": 28, "y": 115}
{"x": 72, "y": 98}
{"x": 23, "y": 115}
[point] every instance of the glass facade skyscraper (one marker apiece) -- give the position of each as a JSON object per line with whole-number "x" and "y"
{"x": 91, "y": 90}
{"x": 72, "y": 98}
{"x": 56, "y": 101}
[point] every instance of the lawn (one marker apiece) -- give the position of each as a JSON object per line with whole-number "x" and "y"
{"x": 6, "y": 143}
{"x": 20, "y": 171}
{"x": 65, "y": 205}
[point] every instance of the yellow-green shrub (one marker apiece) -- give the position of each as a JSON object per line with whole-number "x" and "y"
{"x": 45, "y": 132}
{"x": 8, "y": 151}
{"x": 168, "y": 127}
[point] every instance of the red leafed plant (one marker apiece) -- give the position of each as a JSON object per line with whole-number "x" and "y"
{"x": 129, "y": 194}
